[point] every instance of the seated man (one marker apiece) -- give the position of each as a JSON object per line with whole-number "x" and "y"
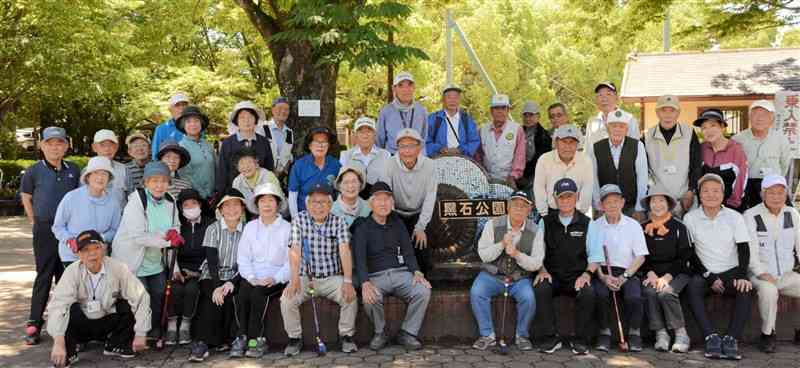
{"x": 509, "y": 253}
{"x": 567, "y": 268}
{"x": 773, "y": 230}
{"x": 385, "y": 265}
{"x": 624, "y": 239}
{"x": 324, "y": 261}
{"x": 98, "y": 298}
{"x": 722, "y": 256}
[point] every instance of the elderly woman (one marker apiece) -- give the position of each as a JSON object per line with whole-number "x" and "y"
{"x": 366, "y": 156}
{"x": 251, "y": 176}
{"x": 176, "y": 158}
{"x": 263, "y": 261}
{"x": 316, "y": 167}
{"x": 199, "y": 169}
{"x": 90, "y": 207}
{"x": 723, "y": 156}
{"x": 350, "y": 206}
{"x": 245, "y": 117}
{"x": 666, "y": 270}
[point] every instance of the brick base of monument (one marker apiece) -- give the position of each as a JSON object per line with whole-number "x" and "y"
{"x": 449, "y": 319}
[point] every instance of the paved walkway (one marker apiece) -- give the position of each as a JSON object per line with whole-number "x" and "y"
{"x": 16, "y": 275}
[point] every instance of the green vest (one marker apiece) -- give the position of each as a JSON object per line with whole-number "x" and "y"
{"x": 504, "y": 265}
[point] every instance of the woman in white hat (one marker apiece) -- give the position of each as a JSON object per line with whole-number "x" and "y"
{"x": 90, "y": 207}
{"x": 349, "y": 205}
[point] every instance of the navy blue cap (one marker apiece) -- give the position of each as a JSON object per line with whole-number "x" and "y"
{"x": 522, "y": 194}
{"x": 279, "y": 100}
{"x": 380, "y": 187}
{"x": 711, "y": 114}
{"x": 321, "y": 188}
{"x": 565, "y": 185}
{"x": 88, "y": 237}
{"x": 54, "y": 132}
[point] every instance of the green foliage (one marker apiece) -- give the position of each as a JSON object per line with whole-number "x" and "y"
{"x": 12, "y": 168}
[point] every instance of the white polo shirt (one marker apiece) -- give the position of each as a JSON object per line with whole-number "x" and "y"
{"x": 715, "y": 238}
{"x": 624, "y": 240}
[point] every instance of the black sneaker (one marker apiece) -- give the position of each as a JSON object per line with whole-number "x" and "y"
{"x": 635, "y": 343}
{"x": 238, "y": 347}
{"x": 603, "y": 343}
{"x": 730, "y": 348}
{"x": 713, "y": 346}
{"x": 293, "y": 347}
{"x": 579, "y": 348}
{"x": 124, "y": 352}
{"x": 767, "y": 343}
{"x": 551, "y": 345}
{"x": 409, "y": 341}
{"x": 199, "y": 352}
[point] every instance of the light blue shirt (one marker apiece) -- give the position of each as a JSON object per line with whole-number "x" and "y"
{"x": 78, "y": 212}
{"x": 278, "y": 136}
{"x": 201, "y": 168}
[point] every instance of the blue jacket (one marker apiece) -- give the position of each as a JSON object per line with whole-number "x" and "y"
{"x": 79, "y": 211}
{"x": 468, "y": 136}
{"x": 164, "y": 131}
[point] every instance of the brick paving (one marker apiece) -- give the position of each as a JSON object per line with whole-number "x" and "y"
{"x": 16, "y": 275}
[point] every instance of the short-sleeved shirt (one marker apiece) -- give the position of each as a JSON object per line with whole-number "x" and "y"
{"x": 48, "y": 186}
{"x": 715, "y": 238}
{"x": 624, "y": 240}
{"x": 305, "y": 174}
{"x": 227, "y": 244}
{"x": 321, "y": 243}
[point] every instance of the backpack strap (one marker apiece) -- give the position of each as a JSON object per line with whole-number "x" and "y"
{"x": 787, "y": 220}
{"x": 143, "y": 198}
{"x": 760, "y": 225}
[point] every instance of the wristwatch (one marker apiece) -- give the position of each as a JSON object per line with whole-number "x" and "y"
{"x": 625, "y": 275}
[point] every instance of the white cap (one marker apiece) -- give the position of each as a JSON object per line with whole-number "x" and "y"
{"x": 408, "y": 133}
{"x": 402, "y": 76}
{"x": 772, "y": 180}
{"x": 177, "y": 98}
{"x": 619, "y": 116}
{"x": 500, "y": 100}
{"x": 764, "y": 104}
{"x": 530, "y": 108}
{"x": 105, "y": 135}
{"x": 98, "y": 163}
{"x": 364, "y": 122}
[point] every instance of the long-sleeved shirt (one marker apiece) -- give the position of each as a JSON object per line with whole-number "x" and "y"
{"x": 641, "y": 172}
{"x": 775, "y": 240}
{"x": 264, "y": 250}
{"x": 670, "y": 253}
{"x": 376, "y": 247}
{"x": 391, "y": 121}
{"x": 80, "y": 211}
{"x": 165, "y": 130}
{"x": 729, "y": 162}
{"x": 372, "y": 164}
{"x": 517, "y": 160}
{"x": 201, "y": 169}
{"x": 414, "y": 189}
{"x": 192, "y": 253}
{"x": 115, "y": 282}
{"x": 243, "y": 185}
{"x": 596, "y": 130}
{"x": 458, "y": 131}
{"x": 551, "y": 169}
{"x": 671, "y": 167}
{"x": 227, "y": 169}
{"x": 489, "y": 250}
{"x": 769, "y": 156}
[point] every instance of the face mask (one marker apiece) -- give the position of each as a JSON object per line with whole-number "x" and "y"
{"x": 192, "y": 213}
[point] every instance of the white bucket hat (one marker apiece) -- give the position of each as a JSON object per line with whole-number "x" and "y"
{"x": 264, "y": 189}
{"x": 95, "y": 164}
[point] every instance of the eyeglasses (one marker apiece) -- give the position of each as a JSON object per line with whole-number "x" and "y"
{"x": 408, "y": 146}
{"x": 321, "y": 143}
{"x": 318, "y": 203}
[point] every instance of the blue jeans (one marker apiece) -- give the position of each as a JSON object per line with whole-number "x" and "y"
{"x": 487, "y": 286}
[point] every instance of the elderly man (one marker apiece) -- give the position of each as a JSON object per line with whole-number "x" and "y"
{"x": 385, "y": 265}
{"x": 510, "y": 253}
{"x": 722, "y": 257}
{"x": 622, "y": 161}
{"x": 326, "y": 262}
{"x": 768, "y": 151}
{"x": 106, "y": 144}
{"x": 139, "y": 149}
{"x": 503, "y": 144}
{"x": 622, "y": 236}
{"x": 537, "y": 143}
{"x": 567, "y": 269}
{"x": 451, "y": 129}
{"x": 44, "y": 184}
{"x": 564, "y": 162}
{"x": 557, "y": 113}
{"x": 773, "y": 230}
{"x": 365, "y": 155}
{"x": 98, "y": 298}
{"x": 402, "y": 113}
{"x": 413, "y": 179}
{"x": 673, "y": 154}
{"x": 167, "y": 129}
{"x": 281, "y": 137}
{"x": 606, "y": 99}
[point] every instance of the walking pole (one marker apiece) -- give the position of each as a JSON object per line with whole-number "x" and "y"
{"x": 502, "y": 347}
{"x": 321, "y": 348}
{"x": 623, "y": 346}
{"x": 167, "y": 295}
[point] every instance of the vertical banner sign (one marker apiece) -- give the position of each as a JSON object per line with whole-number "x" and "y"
{"x": 787, "y": 118}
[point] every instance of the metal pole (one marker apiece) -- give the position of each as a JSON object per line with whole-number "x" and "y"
{"x": 473, "y": 57}
{"x": 666, "y": 31}
{"x": 449, "y": 47}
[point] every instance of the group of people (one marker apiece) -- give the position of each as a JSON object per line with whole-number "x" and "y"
{"x": 187, "y": 244}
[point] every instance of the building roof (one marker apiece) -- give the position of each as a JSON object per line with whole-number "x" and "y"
{"x": 719, "y": 73}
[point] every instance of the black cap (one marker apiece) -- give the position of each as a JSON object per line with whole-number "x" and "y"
{"x": 606, "y": 84}
{"x": 320, "y": 130}
{"x": 321, "y": 188}
{"x": 380, "y": 187}
{"x": 711, "y": 114}
{"x": 88, "y": 237}
{"x": 191, "y": 111}
{"x": 171, "y": 145}
{"x": 188, "y": 194}
{"x": 522, "y": 194}
{"x": 245, "y": 152}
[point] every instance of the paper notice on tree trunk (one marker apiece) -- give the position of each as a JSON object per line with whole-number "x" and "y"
{"x": 308, "y": 108}
{"x": 787, "y": 118}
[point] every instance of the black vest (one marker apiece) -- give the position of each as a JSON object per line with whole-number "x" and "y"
{"x": 625, "y": 175}
{"x": 565, "y": 254}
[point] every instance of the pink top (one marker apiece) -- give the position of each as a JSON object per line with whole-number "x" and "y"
{"x": 732, "y": 157}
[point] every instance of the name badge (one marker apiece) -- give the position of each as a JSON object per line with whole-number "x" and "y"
{"x": 401, "y": 260}
{"x": 670, "y": 169}
{"x": 93, "y": 306}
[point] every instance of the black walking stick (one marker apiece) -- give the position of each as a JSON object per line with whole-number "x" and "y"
{"x": 167, "y": 295}
{"x": 623, "y": 346}
{"x": 502, "y": 346}
{"x": 321, "y": 348}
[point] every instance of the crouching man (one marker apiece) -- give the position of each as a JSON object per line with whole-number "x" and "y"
{"x": 98, "y": 298}
{"x": 510, "y": 254}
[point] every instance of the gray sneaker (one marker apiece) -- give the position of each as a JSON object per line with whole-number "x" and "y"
{"x": 682, "y": 343}
{"x": 256, "y": 347}
{"x": 238, "y": 347}
{"x": 294, "y": 347}
{"x": 348, "y": 346}
{"x": 662, "y": 340}
{"x": 523, "y": 343}
{"x": 378, "y": 341}
{"x": 484, "y": 342}
{"x": 409, "y": 341}
{"x": 184, "y": 336}
{"x": 171, "y": 338}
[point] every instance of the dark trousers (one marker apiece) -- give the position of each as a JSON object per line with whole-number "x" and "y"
{"x": 632, "y": 302}
{"x": 423, "y": 255}
{"x": 216, "y": 324}
{"x": 584, "y": 308}
{"x": 48, "y": 267}
{"x": 664, "y": 307}
{"x": 184, "y": 299}
{"x": 698, "y": 289}
{"x": 155, "y": 285}
{"x": 115, "y": 329}
{"x": 252, "y": 303}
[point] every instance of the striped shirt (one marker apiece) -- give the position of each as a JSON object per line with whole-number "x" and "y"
{"x": 227, "y": 244}
{"x": 177, "y": 185}
{"x": 322, "y": 241}
{"x": 135, "y": 176}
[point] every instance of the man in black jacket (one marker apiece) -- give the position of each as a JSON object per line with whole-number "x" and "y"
{"x": 537, "y": 143}
{"x": 566, "y": 268}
